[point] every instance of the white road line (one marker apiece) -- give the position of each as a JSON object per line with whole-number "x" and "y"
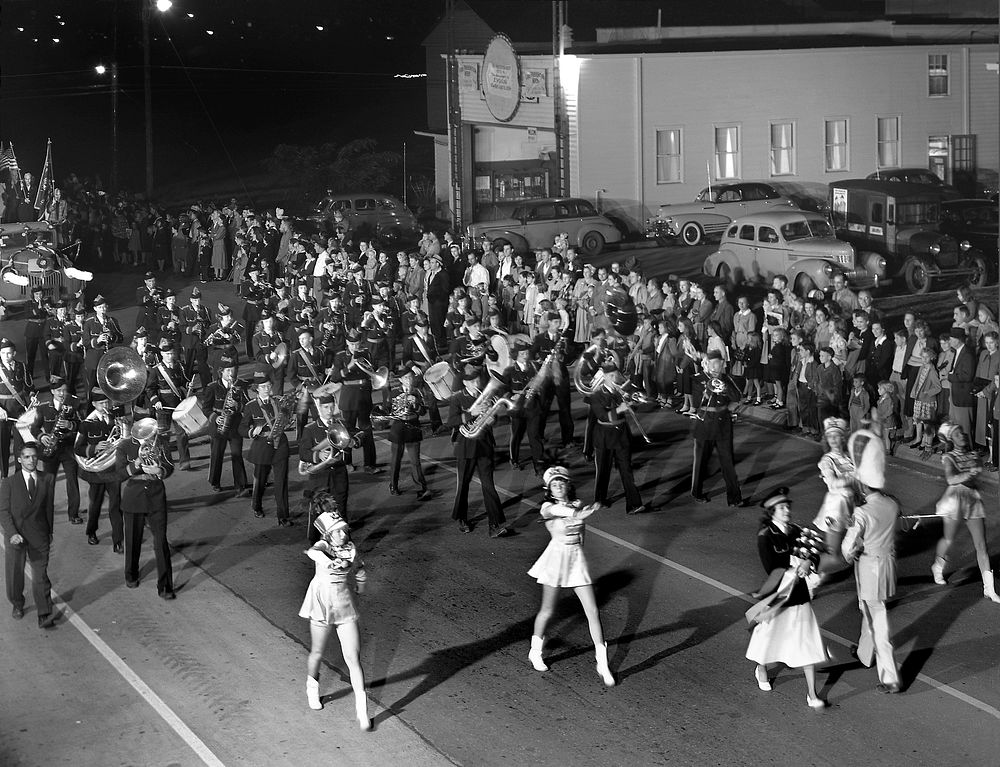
{"x": 986, "y": 708}
{"x": 166, "y": 713}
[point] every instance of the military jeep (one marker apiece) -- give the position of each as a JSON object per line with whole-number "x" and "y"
{"x": 900, "y": 222}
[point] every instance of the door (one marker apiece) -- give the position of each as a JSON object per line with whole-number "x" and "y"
{"x": 891, "y": 223}
{"x": 939, "y": 157}
{"x": 770, "y": 252}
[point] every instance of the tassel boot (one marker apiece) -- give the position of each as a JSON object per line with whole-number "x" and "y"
{"x": 601, "y": 654}
{"x": 312, "y": 693}
{"x": 535, "y": 653}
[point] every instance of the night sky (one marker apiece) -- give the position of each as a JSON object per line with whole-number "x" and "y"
{"x": 270, "y": 72}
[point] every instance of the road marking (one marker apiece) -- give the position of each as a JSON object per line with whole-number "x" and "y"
{"x": 986, "y": 708}
{"x": 166, "y": 713}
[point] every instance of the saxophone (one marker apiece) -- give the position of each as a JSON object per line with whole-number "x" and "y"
{"x": 51, "y": 442}
{"x": 230, "y": 409}
{"x": 286, "y": 407}
{"x": 486, "y": 408}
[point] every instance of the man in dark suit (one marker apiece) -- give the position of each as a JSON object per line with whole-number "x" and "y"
{"x": 878, "y": 366}
{"x": 961, "y": 376}
{"x": 437, "y": 299}
{"x": 26, "y": 516}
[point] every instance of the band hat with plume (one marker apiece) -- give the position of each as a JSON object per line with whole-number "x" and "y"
{"x": 867, "y": 451}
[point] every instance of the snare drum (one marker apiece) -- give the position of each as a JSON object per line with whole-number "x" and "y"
{"x": 190, "y": 417}
{"x": 440, "y": 379}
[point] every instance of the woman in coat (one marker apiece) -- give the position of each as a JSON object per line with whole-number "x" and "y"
{"x": 217, "y": 232}
{"x": 987, "y": 369}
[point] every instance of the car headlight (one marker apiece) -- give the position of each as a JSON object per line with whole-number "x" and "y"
{"x": 828, "y": 270}
{"x": 935, "y": 248}
{"x": 964, "y": 245}
{"x": 881, "y": 264}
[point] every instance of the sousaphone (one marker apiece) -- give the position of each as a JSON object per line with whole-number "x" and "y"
{"x": 122, "y": 374}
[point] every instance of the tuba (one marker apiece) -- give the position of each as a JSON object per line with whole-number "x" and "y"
{"x": 104, "y": 461}
{"x": 487, "y": 406}
{"x": 145, "y": 432}
{"x": 122, "y": 374}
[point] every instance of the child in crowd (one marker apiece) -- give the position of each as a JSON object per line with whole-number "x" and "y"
{"x": 753, "y": 390}
{"x": 926, "y": 388}
{"x": 776, "y": 372}
{"x": 859, "y": 403}
{"x": 887, "y": 410}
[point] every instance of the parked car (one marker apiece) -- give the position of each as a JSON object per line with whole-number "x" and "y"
{"x": 535, "y": 224}
{"x": 713, "y": 209}
{"x": 371, "y": 215}
{"x": 798, "y": 244}
{"x": 900, "y": 221}
{"x": 917, "y": 176}
{"x": 28, "y": 259}
{"x": 974, "y": 222}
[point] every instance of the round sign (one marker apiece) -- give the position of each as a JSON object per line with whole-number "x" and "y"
{"x": 501, "y": 78}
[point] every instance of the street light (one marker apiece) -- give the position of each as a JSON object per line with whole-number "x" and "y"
{"x": 163, "y": 5}
{"x": 147, "y": 5}
{"x": 101, "y": 69}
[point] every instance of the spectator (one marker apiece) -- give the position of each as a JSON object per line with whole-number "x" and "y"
{"x": 926, "y": 388}
{"x": 829, "y": 386}
{"x": 961, "y": 375}
{"x": 842, "y": 295}
{"x": 723, "y": 312}
{"x": 987, "y": 368}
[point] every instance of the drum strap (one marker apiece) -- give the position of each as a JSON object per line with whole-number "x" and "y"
{"x": 423, "y": 349}
{"x": 305, "y": 359}
{"x": 165, "y": 374}
{"x": 10, "y": 387}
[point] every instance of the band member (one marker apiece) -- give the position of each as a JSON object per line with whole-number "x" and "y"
{"x": 266, "y": 344}
{"x": 332, "y": 330}
{"x": 357, "y": 296}
{"x": 420, "y": 351}
{"x": 15, "y": 396}
{"x": 34, "y": 331}
{"x": 149, "y": 298}
{"x": 527, "y": 418}
{"x": 224, "y": 338}
{"x": 553, "y": 342}
{"x": 323, "y": 473}
{"x": 55, "y": 326}
{"x": 612, "y": 439}
{"x": 100, "y": 333}
{"x": 95, "y": 437}
{"x": 307, "y": 371}
{"x": 255, "y": 294}
{"x": 263, "y": 422}
{"x": 54, "y": 431}
{"x": 381, "y": 335}
{"x": 73, "y": 343}
{"x": 195, "y": 321}
{"x": 142, "y": 467}
{"x": 592, "y": 359}
{"x": 405, "y": 434}
{"x": 303, "y": 308}
{"x": 870, "y": 543}
{"x": 713, "y": 427}
{"x": 168, "y": 319}
{"x": 474, "y": 455}
{"x": 225, "y": 399}
{"x": 166, "y": 388}
{"x": 350, "y": 369}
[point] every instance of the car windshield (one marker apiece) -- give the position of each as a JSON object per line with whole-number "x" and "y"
{"x": 807, "y": 227}
{"x": 917, "y": 213}
{"x": 923, "y": 178}
{"x": 18, "y": 238}
{"x": 975, "y": 217}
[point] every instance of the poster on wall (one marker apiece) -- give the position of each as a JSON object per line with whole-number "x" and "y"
{"x": 534, "y": 84}
{"x": 468, "y": 77}
{"x": 501, "y": 82}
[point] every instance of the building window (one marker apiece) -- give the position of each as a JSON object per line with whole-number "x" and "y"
{"x": 727, "y": 151}
{"x": 888, "y": 142}
{"x": 836, "y": 144}
{"x": 668, "y": 156}
{"x": 937, "y": 74}
{"x": 783, "y": 149}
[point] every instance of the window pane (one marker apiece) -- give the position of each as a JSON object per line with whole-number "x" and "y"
{"x": 668, "y": 155}
{"x": 782, "y": 149}
{"x": 727, "y": 152}
{"x": 888, "y": 142}
{"x": 836, "y": 145}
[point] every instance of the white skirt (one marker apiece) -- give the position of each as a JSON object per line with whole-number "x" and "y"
{"x": 792, "y": 637}
{"x": 562, "y": 566}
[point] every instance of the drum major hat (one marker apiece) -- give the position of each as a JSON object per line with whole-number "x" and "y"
{"x": 553, "y": 473}
{"x": 867, "y": 451}
{"x": 776, "y": 496}
{"x": 835, "y": 425}
{"x": 328, "y": 522}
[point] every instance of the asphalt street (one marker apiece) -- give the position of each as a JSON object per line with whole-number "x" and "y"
{"x": 217, "y": 676}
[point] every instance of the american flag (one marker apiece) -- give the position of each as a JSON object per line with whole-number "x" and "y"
{"x": 47, "y": 182}
{"x": 7, "y": 159}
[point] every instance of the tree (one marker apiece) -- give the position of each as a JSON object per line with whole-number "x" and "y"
{"x": 311, "y": 170}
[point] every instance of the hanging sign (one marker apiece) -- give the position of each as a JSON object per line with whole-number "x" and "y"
{"x": 534, "y": 84}
{"x": 468, "y": 77}
{"x": 501, "y": 81}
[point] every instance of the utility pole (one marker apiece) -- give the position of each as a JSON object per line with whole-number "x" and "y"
{"x": 148, "y": 92}
{"x": 114, "y": 127}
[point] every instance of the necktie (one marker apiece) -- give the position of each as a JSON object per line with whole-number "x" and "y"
{"x": 31, "y": 487}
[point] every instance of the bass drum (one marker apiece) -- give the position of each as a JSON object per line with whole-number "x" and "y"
{"x": 440, "y": 379}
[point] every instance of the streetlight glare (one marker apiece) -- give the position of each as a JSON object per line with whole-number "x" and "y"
{"x": 100, "y": 69}
{"x": 164, "y": 5}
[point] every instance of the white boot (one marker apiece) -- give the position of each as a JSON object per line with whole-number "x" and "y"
{"x": 937, "y": 570}
{"x": 535, "y": 653}
{"x": 988, "y": 589}
{"x": 601, "y": 653}
{"x": 312, "y": 693}
{"x": 361, "y": 707}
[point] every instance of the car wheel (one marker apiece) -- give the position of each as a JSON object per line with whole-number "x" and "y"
{"x": 691, "y": 234}
{"x": 918, "y": 281}
{"x": 725, "y": 276}
{"x": 592, "y": 243}
{"x": 803, "y": 285}
{"x": 980, "y": 277}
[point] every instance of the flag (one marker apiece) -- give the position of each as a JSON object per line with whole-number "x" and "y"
{"x": 46, "y": 183}
{"x": 7, "y": 159}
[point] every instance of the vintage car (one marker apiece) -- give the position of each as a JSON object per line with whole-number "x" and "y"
{"x": 900, "y": 222}
{"x": 917, "y": 176}
{"x": 370, "y": 214}
{"x": 798, "y": 244}
{"x": 28, "y": 259}
{"x": 974, "y": 222}
{"x": 535, "y": 224}
{"x": 713, "y": 209}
